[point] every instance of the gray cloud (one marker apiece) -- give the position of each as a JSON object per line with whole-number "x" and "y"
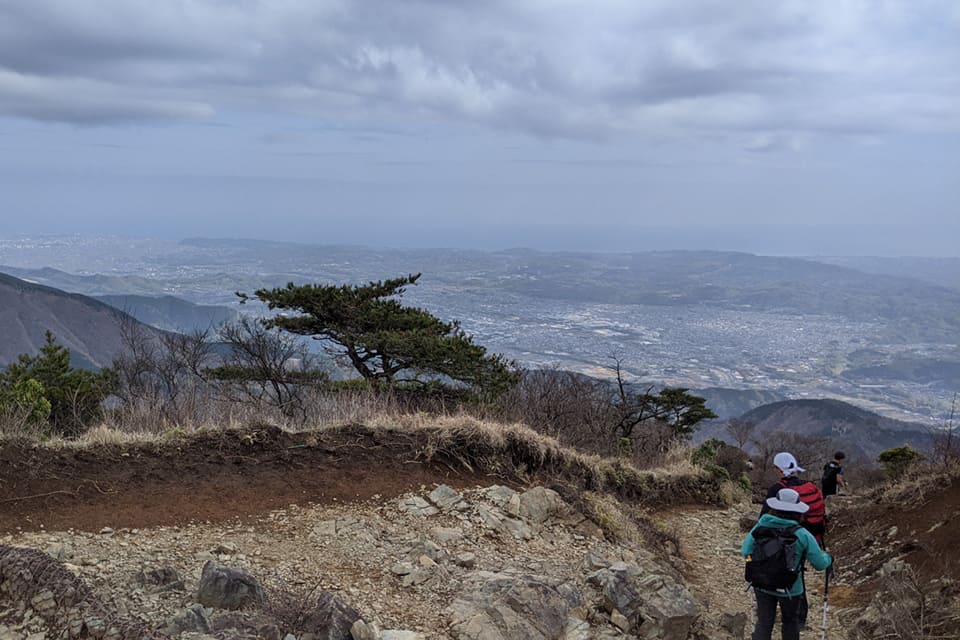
{"x": 768, "y": 74}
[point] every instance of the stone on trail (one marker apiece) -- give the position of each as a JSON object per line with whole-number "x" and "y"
{"x": 228, "y": 588}
{"x": 657, "y": 606}
{"x": 417, "y": 506}
{"x": 540, "y": 504}
{"x": 194, "y": 618}
{"x": 330, "y": 619}
{"x": 504, "y": 607}
{"x": 446, "y": 498}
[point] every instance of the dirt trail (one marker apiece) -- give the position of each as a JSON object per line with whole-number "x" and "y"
{"x": 212, "y": 478}
{"x": 710, "y": 546}
{"x": 230, "y": 476}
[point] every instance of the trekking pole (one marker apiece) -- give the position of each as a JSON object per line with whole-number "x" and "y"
{"x": 826, "y": 588}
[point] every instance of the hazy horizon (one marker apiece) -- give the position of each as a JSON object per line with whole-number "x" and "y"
{"x": 793, "y": 241}
{"x": 804, "y": 127}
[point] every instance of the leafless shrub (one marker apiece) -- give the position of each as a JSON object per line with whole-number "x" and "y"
{"x": 604, "y": 417}
{"x": 289, "y": 607}
{"x": 946, "y": 441}
{"x": 741, "y": 431}
{"x": 568, "y": 406}
{"x": 18, "y": 422}
{"x": 265, "y": 366}
{"x": 163, "y": 371}
{"x": 907, "y": 607}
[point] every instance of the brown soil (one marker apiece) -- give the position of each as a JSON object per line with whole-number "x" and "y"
{"x": 209, "y": 477}
{"x": 922, "y": 530}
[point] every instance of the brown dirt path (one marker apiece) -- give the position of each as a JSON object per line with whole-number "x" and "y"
{"x": 710, "y": 548}
{"x": 214, "y": 477}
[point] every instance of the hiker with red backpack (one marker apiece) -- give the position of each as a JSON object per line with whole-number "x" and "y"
{"x": 814, "y": 520}
{"x": 776, "y": 549}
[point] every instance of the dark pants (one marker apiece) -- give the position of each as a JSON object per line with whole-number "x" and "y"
{"x": 767, "y": 614}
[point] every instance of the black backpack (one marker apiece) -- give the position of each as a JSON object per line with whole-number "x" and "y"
{"x": 775, "y": 562}
{"x": 830, "y": 472}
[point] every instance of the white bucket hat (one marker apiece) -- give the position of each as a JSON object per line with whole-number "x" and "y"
{"x": 787, "y": 463}
{"x": 787, "y": 500}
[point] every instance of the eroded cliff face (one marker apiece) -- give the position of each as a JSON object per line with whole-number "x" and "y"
{"x": 482, "y": 563}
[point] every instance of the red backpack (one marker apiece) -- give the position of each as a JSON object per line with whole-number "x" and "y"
{"x": 811, "y": 496}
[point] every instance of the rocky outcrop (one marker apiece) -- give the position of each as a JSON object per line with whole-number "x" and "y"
{"x": 36, "y": 581}
{"x": 482, "y": 564}
{"x": 228, "y": 588}
{"x": 502, "y": 607}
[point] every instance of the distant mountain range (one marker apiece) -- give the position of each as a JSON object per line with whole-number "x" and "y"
{"x": 910, "y": 308}
{"x": 171, "y": 313}
{"x": 839, "y": 425}
{"x": 732, "y": 403}
{"x": 942, "y": 271}
{"x": 89, "y": 328}
{"x": 89, "y": 285}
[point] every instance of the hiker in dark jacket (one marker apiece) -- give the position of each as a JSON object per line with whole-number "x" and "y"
{"x": 832, "y": 480}
{"x": 784, "y": 511}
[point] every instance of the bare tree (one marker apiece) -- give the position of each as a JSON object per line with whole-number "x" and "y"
{"x": 570, "y": 407}
{"x": 741, "y": 431}
{"x": 164, "y": 371}
{"x": 946, "y": 444}
{"x": 266, "y": 366}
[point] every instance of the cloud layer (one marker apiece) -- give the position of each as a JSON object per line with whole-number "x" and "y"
{"x": 773, "y": 74}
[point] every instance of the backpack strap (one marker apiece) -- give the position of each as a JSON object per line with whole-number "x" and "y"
{"x": 803, "y": 556}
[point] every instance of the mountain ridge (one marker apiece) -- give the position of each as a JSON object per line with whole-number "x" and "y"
{"x": 91, "y": 329}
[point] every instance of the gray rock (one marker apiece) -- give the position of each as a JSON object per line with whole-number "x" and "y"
{"x": 620, "y": 621}
{"x": 364, "y": 631}
{"x": 165, "y": 577}
{"x": 734, "y": 623}
{"x": 499, "y": 495}
{"x": 576, "y": 629}
{"x": 505, "y": 607}
{"x": 417, "y": 506}
{"x": 517, "y": 528}
{"x": 467, "y": 559}
{"x": 194, "y": 618}
{"x": 331, "y": 618}
{"x": 228, "y": 588}
{"x": 399, "y": 634}
{"x": 657, "y": 605}
{"x": 446, "y": 498}
{"x": 245, "y": 624}
{"x": 446, "y": 535}
{"x": 541, "y": 504}
{"x": 668, "y": 610}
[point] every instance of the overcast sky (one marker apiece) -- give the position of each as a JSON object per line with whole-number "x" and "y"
{"x": 778, "y": 127}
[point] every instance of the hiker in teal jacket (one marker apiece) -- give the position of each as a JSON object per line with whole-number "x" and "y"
{"x": 786, "y": 510}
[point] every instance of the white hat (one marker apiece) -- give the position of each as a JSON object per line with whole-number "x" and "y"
{"x": 787, "y": 500}
{"x": 787, "y": 463}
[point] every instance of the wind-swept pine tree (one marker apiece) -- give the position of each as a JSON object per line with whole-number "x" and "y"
{"x": 385, "y": 341}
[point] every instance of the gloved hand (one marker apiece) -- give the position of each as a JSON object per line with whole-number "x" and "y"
{"x": 829, "y": 571}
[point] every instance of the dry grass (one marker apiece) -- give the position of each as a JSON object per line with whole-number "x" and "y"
{"x": 917, "y": 482}
{"x": 458, "y": 441}
{"x": 908, "y": 608}
{"x": 515, "y": 450}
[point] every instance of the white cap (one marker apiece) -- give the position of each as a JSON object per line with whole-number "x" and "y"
{"x": 787, "y": 463}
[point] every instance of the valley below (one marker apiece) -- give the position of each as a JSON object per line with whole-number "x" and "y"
{"x": 692, "y": 319}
